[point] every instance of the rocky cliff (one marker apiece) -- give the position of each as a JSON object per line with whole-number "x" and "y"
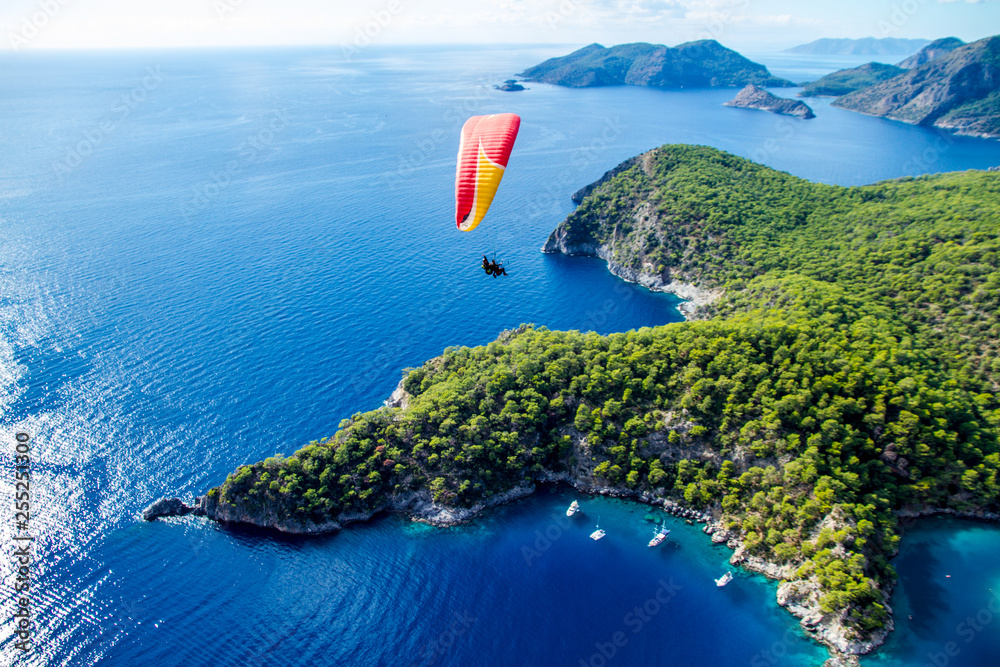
{"x": 695, "y": 297}
{"x": 957, "y": 91}
{"x": 631, "y": 256}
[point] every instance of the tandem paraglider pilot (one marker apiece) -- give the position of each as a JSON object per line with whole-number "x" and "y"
{"x": 483, "y": 153}
{"x": 493, "y": 268}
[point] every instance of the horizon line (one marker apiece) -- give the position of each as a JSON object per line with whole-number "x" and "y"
{"x": 349, "y": 45}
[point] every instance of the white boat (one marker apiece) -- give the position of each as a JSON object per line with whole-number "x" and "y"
{"x": 573, "y": 508}
{"x": 659, "y": 537}
{"x": 597, "y": 534}
{"x": 724, "y": 579}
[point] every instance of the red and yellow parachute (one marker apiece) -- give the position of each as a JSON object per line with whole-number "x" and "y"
{"x": 482, "y": 157}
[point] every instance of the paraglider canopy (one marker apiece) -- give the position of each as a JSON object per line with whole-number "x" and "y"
{"x": 482, "y": 158}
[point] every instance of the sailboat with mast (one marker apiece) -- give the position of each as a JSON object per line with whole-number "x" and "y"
{"x": 659, "y": 536}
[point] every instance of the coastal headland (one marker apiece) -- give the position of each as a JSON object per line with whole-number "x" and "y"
{"x": 838, "y": 370}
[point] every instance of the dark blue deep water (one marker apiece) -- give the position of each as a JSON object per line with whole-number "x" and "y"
{"x": 209, "y": 257}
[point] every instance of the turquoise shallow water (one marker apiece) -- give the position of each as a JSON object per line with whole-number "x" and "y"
{"x": 947, "y": 603}
{"x": 208, "y": 257}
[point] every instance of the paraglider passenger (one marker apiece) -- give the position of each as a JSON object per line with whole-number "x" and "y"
{"x": 493, "y": 268}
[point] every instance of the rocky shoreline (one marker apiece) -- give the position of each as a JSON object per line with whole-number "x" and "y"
{"x": 421, "y": 508}
{"x": 695, "y": 297}
{"x": 960, "y": 128}
{"x": 966, "y": 128}
{"x": 908, "y": 514}
{"x": 800, "y": 597}
{"x": 418, "y": 504}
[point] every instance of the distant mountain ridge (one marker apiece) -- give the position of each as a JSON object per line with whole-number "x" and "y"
{"x": 866, "y": 46}
{"x": 702, "y": 64}
{"x": 959, "y": 91}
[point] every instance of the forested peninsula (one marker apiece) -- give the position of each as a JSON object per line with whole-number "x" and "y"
{"x": 847, "y": 81}
{"x": 840, "y": 373}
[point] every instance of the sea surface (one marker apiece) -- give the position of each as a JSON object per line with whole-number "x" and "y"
{"x": 208, "y": 257}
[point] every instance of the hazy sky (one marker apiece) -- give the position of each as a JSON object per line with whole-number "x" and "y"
{"x": 40, "y": 24}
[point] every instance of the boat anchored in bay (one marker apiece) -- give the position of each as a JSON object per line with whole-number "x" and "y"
{"x": 599, "y": 533}
{"x": 574, "y": 507}
{"x": 724, "y": 579}
{"x": 659, "y": 536}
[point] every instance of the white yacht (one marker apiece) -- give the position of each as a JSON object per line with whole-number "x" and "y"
{"x": 724, "y": 579}
{"x": 597, "y": 534}
{"x": 573, "y": 508}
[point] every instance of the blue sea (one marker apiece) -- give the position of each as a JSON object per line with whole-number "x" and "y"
{"x": 208, "y": 257}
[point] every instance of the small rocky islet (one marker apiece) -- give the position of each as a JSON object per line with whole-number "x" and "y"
{"x": 755, "y": 97}
{"x": 510, "y": 86}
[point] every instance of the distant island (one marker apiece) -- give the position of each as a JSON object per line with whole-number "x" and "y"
{"x": 932, "y": 51}
{"x": 702, "y": 64}
{"x": 755, "y": 97}
{"x": 510, "y": 85}
{"x": 956, "y": 91}
{"x": 838, "y": 372}
{"x": 847, "y": 81}
{"x": 866, "y": 46}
